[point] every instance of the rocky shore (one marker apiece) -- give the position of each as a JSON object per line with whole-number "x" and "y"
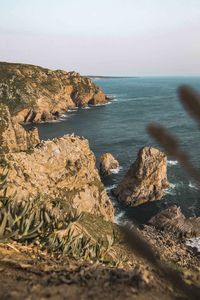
{"x": 57, "y": 230}
{"x": 173, "y": 220}
{"x": 59, "y": 169}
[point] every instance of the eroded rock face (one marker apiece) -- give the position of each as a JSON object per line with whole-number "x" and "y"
{"x": 146, "y": 179}
{"x": 35, "y": 94}
{"x": 62, "y": 168}
{"x": 13, "y": 137}
{"x": 108, "y": 164}
{"x": 173, "y": 220}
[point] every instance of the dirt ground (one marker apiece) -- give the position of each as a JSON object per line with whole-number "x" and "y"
{"x": 26, "y": 272}
{"x": 23, "y": 278}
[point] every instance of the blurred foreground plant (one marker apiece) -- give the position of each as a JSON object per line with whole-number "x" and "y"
{"x": 191, "y": 102}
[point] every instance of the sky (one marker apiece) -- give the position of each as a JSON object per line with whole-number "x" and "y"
{"x": 103, "y": 37}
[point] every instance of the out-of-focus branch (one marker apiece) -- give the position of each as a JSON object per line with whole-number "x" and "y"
{"x": 144, "y": 250}
{"x": 191, "y": 101}
{"x": 170, "y": 144}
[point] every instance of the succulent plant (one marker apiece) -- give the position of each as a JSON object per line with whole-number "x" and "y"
{"x": 26, "y": 221}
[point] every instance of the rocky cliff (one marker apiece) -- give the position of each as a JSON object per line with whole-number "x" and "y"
{"x": 35, "y": 94}
{"x": 146, "y": 180}
{"x": 13, "y": 138}
{"x": 63, "y": 168}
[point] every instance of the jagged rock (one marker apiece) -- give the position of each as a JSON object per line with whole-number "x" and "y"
{"x": 146, "y": 179}
{"x": 98, "y": 98}
{"x": 63, "y": 168}
{"x": 12, "y": 135}
{"x": 108, "y": 164}
{"x": 173, "y": 220}
{"x": 35, "y": 94}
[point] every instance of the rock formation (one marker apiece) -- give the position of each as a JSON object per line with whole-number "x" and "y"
{"x": 13, "y": 138}
{"x": 108, "y": 164}
{"x": 173, "y": 220}
{"x": 35, "y": 94}
{"x": 146, "y": 179}
{"x": 63, "y": 168}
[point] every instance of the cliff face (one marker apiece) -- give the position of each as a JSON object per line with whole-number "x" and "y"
{"x": 63, "y": 168}
{"x": 13, "y": 138}
{"x": 35, "y": 94}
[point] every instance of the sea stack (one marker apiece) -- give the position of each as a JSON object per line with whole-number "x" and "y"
{"x": 146, "y": 180}
{"x": 108, "y": 164}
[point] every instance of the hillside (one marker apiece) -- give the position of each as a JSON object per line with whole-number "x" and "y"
{"x": 35, "y": 94}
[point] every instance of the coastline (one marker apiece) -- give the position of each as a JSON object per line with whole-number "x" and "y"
{"x": 65, "y": 169}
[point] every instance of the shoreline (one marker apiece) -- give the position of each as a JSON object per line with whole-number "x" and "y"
{"x": 70, "y": 110}
{"x": 57, "y": 162}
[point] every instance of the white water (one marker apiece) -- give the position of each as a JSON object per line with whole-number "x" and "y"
{"x": 116, "y": 171}
{"x": 172, "y": 162}
{"x": 194, "y": 243}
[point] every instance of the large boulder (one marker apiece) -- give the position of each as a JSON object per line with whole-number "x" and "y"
{"x": 146, "y": 180}
{"x": 35, "y": 94}
{"x": 108, "y": 164}
{"x": 13, "y": 138}
{"x": 173, "y": 220}
{"x": 98, "y": 98}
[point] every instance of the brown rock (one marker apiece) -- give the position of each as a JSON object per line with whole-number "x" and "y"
{"x": 64, "y": 169}
{"x": 173, "y": 220}
{"x": 108, "y": 163}
{"x": 35, "y": 94}
{"x": 13, "y": 137}
{"x": 98, "y": 98}
{"x": 146, "y": 179}
{"x": 170, "y": 248}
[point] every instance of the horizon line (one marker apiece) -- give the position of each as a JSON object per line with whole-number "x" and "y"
{"x": 139, "y": 76}
{"x": 102, "y": 76}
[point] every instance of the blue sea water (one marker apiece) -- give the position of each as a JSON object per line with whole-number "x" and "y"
{"x": 120, "y": 128}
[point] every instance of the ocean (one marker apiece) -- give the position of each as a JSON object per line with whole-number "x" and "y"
{"x": 120, "y": 128}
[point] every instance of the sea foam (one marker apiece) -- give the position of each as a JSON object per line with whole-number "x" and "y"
{"x": 109, "y": 188}
{"x": 194, "y": 243}
{"x": 119, "y": 218}
{"x": 171, "y": 189}
{"x": 116, "y": 171}
{"x": 193, "y": 185}
{"x": 172, "y": 162}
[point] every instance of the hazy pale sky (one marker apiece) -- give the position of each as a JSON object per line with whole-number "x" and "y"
{"x": 103, "y": 37}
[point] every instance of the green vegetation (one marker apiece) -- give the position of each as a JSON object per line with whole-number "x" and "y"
{"x": 96, "y": 182}
{"x": 21, "y": 85}
{"x": 57, "y": 227}
{"x": 32, "y": 220}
